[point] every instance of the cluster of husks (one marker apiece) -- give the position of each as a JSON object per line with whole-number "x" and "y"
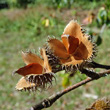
{"x": 36, "y": 74}
{"x": 73, "y": 51}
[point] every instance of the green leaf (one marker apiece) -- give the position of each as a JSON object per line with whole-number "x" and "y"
{"x": 99, "y": 40}
{"x": 66, "y": 81}
{"x": 102, "y": 16}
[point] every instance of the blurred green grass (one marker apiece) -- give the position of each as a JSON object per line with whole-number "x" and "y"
{"x": 24, "y": 29}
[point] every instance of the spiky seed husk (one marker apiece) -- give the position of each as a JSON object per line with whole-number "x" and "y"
{"x": 93, "y": 50}
{"x": 100, "y": 104}
{"x": 42, "y": 81}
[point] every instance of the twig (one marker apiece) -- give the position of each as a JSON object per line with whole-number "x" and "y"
{"x": 97, "y": 65}
{"x": 50, "y": 100}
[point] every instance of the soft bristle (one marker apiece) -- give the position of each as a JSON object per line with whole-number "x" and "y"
{"x": 42, "y": 81}
{"x": 70, "y": 68}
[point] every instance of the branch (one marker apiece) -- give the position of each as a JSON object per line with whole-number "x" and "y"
{"x": 97, "y": 65}
{"x": 50, "y": 100}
